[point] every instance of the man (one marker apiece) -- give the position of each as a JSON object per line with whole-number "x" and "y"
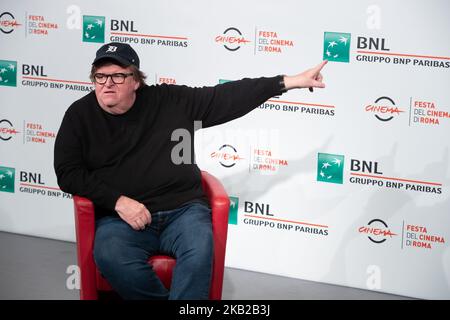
{"x": 114, "y": 146}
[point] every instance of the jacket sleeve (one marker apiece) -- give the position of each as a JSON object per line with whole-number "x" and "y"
{"x": 71, "y": 172}
{"x": 227, "y": 101}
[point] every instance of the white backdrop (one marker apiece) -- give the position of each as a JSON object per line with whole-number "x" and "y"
{"x": 346, "y": 185}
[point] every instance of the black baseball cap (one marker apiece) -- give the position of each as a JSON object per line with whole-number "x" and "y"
{"x": 121, "y": 52}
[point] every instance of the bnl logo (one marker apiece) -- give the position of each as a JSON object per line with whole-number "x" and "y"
{"x": 336, "y": 46}
{"x": 94, "y": 29}
{"x": 330, "y": 168}
{"x": 8, "y": 73}
{"x": 233, "y": 213}
{"x": 7, "y": 177}
{"x": 254, "y": 208}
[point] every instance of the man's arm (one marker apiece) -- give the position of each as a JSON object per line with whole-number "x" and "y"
{"x": 75, "y": 178}
{"x": 231, "y": 100}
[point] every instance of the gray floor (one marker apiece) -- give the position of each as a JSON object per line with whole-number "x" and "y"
{"x": 36, "y": 268}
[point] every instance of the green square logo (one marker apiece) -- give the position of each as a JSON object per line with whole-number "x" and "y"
{"x": 233, "y": 214}
{"x": 7, "y": 178}
{"x": 336, "y": 46}
{"x": 330, "y": 168}
{"x": 93, "y": 29}
{"x": 8, "y": 73}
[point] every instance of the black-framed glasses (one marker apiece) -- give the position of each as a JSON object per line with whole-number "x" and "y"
{"x": 117, "y": 78}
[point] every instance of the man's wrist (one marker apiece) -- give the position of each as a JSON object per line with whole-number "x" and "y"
{"x": 282, "y": 83}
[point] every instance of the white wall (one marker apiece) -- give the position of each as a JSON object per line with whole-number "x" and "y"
{"x": 286, "y": 221}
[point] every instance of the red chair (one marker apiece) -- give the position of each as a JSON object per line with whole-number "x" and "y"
{"x": 92, "y": 282}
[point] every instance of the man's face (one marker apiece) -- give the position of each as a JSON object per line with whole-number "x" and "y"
{"x": 116, "y": 98}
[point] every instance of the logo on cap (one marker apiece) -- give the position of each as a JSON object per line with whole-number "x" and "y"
{"x": 111, "y": 49}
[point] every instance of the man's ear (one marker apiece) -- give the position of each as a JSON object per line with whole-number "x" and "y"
{"x": 136, "y": 85}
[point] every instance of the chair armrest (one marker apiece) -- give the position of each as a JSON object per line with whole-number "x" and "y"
{"x": 220, "y": 205}
{"x": 85, "y": 233}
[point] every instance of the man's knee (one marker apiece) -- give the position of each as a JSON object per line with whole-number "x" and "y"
{"x": 109, "y": 242}
{"x": 107, "y": 253}
{"x": 201, "y": 251}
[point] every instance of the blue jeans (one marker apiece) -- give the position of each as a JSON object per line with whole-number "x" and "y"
{"x": 121, "y": 253}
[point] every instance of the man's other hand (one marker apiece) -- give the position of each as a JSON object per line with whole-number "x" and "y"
{"x": 133, "y": 212}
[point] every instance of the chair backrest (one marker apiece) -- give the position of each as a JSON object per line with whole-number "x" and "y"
{"x": 91, "y": 279}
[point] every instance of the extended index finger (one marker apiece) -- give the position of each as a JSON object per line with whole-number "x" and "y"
{"x": 321, "y": 65}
